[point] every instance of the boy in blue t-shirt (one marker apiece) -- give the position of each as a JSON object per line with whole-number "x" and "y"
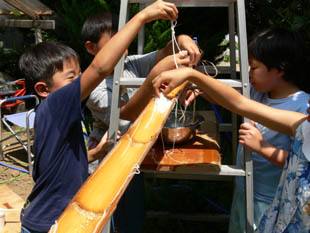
{"x": 276, "y": 59}
{"x": 53, "y": 71}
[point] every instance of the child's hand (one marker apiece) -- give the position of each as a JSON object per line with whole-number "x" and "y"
{"x": 251, "y": 137}
{"x": 169, "y": 80}
{"x": 105, "y": 142}
{"x": 189, "y": 96}
{"x": 186, "y": 43}
{"x": 159, "y": 10}
{"x": 182, "y": 59}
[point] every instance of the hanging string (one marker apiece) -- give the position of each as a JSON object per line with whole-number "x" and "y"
{"x": 205, "y": 63}
{"x": 183, "y": 116}
{"x": 174, "y": 43}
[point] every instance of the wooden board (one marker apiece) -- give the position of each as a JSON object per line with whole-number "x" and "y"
{"x": 14, "y": 203}
{"x": 200, "y": 153}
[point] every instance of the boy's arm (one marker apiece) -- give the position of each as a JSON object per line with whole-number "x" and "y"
{"x": 106, "y": 59}
{"x": 251, "y": 137}
{"x": 101, "y": 150}
{"x": 185, "y": 43}
{"x": 276, "y": 119}
{"x": 131, "y": 110}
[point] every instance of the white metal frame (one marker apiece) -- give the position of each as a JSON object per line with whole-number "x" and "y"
{"x": 15, "y": 133}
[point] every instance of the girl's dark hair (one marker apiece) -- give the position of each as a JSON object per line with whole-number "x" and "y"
{"x": 41, "y": 62}
{"x": 284, "y": 50}
{"x": 97, "y": 24}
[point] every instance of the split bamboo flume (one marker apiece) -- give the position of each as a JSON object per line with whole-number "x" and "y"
{"x": 94, "y": 203}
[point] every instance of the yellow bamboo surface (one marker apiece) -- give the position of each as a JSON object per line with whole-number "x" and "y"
{"x": 94, "y": 203}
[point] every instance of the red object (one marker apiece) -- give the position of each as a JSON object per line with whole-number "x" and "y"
{"x": 12, "y": 89}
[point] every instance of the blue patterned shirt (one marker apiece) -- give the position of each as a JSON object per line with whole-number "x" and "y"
{"x": 290, "y": 210}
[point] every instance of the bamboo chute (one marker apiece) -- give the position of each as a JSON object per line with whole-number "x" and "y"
{"x": 94, "y": 203}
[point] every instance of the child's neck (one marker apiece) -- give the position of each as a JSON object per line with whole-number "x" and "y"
{"x": 283, "y": 90}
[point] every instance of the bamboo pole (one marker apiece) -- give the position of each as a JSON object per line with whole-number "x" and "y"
{"x": 94, "y": 203}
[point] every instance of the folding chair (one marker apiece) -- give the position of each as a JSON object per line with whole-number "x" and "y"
{"x": 21, "y": 119}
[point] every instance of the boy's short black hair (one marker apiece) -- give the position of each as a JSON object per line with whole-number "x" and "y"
{"x": 284, "y": 50}
{"x": 42, "y": 61}
{"x": 97, "y": 24}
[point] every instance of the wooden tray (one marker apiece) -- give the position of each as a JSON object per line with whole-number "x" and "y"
{"x": 200, "y": 152}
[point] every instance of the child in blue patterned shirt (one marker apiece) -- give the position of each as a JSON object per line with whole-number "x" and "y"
{"x": 290, "y": 209}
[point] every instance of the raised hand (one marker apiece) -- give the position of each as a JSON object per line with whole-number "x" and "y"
{"x": 159, "y": 10}
{"x": 186, "y": 43}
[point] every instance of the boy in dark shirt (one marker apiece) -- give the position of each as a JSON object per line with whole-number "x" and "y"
{"x": 53, "y": 71}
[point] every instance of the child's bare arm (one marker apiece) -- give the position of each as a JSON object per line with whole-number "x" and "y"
{"x": 136, "y": 104}
{"x": 101, "y": 149}
{"x": 106, "y": 59}
{"x": 276, "y": 119}
{"x": 252, "y": 138}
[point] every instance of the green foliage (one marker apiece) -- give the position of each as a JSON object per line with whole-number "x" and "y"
{"x": 288, "y": 14}
{"x": 71, "y": 16}
{"x": 158, "y": 35}
{"x": 9, "y": 62}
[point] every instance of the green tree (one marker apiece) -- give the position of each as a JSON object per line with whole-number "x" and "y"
{"x": 289, "y": 14}
{"x": 70, "y": 18}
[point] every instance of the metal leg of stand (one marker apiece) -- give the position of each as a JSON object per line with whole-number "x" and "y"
{"x": 107, "y": 227}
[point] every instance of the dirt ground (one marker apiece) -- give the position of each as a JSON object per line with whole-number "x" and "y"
{"x": 19, "y": 182}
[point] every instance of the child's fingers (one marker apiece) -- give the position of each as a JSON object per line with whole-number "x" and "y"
{"x": 243, "y": 131}
{"x": 183, "y": 60}
{"x": 118, "y": 135}
{"x": 160, "y": 85}
{"x": 160, "y": 10}
{"x": 242, "y": 139}
{"x": 171, "y": 10}
{"x": 245, "y": 126}
{"x": 241, "y": 142}
{"x": 156, "y": 85}
{"x": 253, "y": 123}
{"x": 194, "y": 54}
{"x": 189, "y": 97}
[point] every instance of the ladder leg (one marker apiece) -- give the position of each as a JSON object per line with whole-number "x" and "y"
{"x": 232, "y": 41}
{"x": 243, "y": 51}
{"x": 107, "y": 227}
{"x": 118, "y": 72}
